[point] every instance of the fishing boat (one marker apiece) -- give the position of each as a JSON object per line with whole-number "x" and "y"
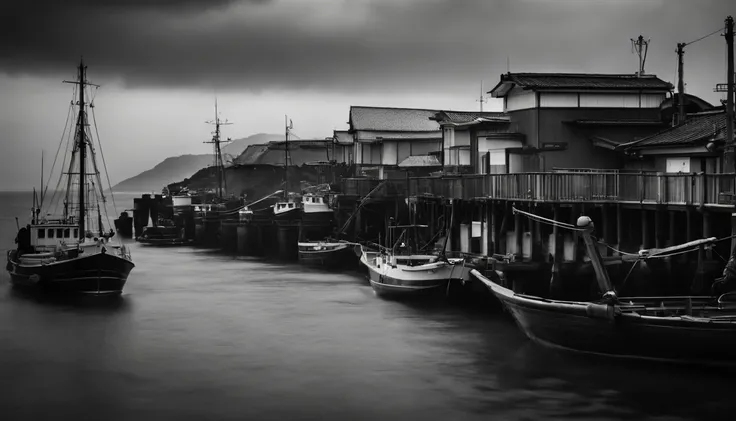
{"x": 66, "y": 253}
{"x": 396, "y": 274}
{"x": 687, "y": 329}
{"x": 165, "y": 233}
{"x": 333, "y": 252}
{"x": 404, "y": 270}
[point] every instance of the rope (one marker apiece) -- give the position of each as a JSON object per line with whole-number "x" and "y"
{"x": 547, "y": 221}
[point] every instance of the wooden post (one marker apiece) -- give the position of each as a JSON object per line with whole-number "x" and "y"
{"x": 606, "y": 227}
{"x": 672, "y": 238}
{"x": 646, "y": 241}
{"x": 501, "y": 236}
{"x": 574, "y": 214}
{"x": 537, "y": 253}
{"x": 604, "y": 282}
{"x": 471, "y": 214}
{"x": 619, "y": 226}
{"x": 658, "y": 228}
{"x": 706, "y": 233}
{"x": 688, "y": 229}
{"x": 519, "y": 235}
{"x": 492, "y": 228}
{"x": 555, "y": 284}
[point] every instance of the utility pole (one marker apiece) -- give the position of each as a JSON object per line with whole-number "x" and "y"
{"x": 680, "y": 83}
{"x": 728, "y": 156}
{"x": 640, "y": 47}
{"x": 481, "y": 99}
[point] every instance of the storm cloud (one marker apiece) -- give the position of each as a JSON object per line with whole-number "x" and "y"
{"x": 341, "y": 45}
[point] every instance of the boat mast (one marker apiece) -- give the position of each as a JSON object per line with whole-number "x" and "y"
{"x": 219, "y": 166}
{"x": 286, "y": 157}
{"x": 82, "y": 145}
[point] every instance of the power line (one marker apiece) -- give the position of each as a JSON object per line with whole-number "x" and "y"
{"x": 705, "y": 36}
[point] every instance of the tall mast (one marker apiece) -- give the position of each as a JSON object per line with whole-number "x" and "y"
{"x": 729, "y": 89}
{"x": 286, "y": 157}
{"x": 219, "y": 166}
{"x": 82, "y": 145}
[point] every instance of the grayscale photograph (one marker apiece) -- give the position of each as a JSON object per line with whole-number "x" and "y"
{"x": 367, "y": 210}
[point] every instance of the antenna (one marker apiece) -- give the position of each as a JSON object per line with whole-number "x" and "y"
{"x": 216, "y": 141}
{"x": 481, "y": 98}
{"x": 640, "y": 47}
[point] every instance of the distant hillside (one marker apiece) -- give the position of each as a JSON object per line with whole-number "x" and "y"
{"x": 237, "y": 146}
{"x": 177, "y": 168}
{"x": 167, "y": 171}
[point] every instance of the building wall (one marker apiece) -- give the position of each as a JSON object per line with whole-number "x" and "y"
{"x": 370, "y": 148}
{"x": 545, "y": 127}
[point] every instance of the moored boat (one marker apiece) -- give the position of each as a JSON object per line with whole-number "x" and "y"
{"x": 65, "y": 253}
{"x": 679, "y": 329}
{"x": 408, "y": 275}
{"x": 686, "y": 329}
{"x": 328, "y": 253}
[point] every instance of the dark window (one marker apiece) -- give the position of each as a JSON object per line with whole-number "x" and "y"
{"x": 66, "y": 233}
{"x": 60, "y": 233}
{"x": 76, "y": 232}
{"x": 51, "y": 233}
{"x": 42, "y": 233}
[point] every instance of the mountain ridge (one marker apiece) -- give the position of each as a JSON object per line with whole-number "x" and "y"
{"x": 177, "y": 168}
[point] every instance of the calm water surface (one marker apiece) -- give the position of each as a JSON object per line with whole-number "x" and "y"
{"x": 199, "y": 335}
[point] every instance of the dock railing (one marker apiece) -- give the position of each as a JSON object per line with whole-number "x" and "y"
{"x": 600, "y": 186}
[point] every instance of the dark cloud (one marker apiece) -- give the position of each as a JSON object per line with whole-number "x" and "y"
{"x": 341, "y": 44}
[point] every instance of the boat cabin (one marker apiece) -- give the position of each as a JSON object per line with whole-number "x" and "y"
{"x": 49, "y": 236}
{"x": 314, "y": 203}
{"x": 282, "y": 207}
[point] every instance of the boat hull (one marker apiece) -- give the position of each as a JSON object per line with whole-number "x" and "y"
{"x": 97, "y": 274}
{"x": 596, "y": 329}
{"x": 410, "y": 281}
{"x": 334, "y": 255}
{"x": 317, "y": 218}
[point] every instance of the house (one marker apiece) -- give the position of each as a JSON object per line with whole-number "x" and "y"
{"x": 577, "y": 120}
{"x": 342, "y": 147}
{"x": 693, "y": 146}
{"x": 478, "y": 142}
{"x": 385, "y": 137}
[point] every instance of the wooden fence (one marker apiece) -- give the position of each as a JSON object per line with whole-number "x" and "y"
{"x": 563, "y": 186}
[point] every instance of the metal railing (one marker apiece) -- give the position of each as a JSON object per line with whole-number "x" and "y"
{"x": 563, "y": 186}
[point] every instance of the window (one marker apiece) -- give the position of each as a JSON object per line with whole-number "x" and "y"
{"x": 42, "y": 233}
{"x": 60, "y": 233}
{"x": 76, "y": 232}
{"x": 66, "y": 233}
{"x": 51, "y": 233}
{"x": 675, "y": 165}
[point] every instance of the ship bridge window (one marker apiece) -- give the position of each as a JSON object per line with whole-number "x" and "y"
{"x": 66, "y": 233}
{"x": 60, "y": 233}
{"x": 51, "y": 233}
{"x": 42, "y": 233}
{"x": 76, "y": 232}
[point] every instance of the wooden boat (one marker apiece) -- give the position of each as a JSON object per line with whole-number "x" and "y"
{"x": 396, "y": 275}
{"x": 63, "y": 254}
{"x": 328, "y": 253}
{"x": 688, "y": 329}
{"x": 684, "y": 329}
{"x": 164, "y": 236}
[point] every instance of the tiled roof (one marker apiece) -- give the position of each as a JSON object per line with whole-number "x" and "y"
{"x": 420, "y": 161}
{"x": 620, "y": 122}
{"x": 392, "y": 119}
{"x": 300, "y": 152}
{"x": 469, "y": 116}
{"x": 583, "y": 81}
{"x": 342, "y": 137}
{"x": 700, "y": 127}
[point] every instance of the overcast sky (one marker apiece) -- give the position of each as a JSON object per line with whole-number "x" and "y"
{"x": 161, "y": 63}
